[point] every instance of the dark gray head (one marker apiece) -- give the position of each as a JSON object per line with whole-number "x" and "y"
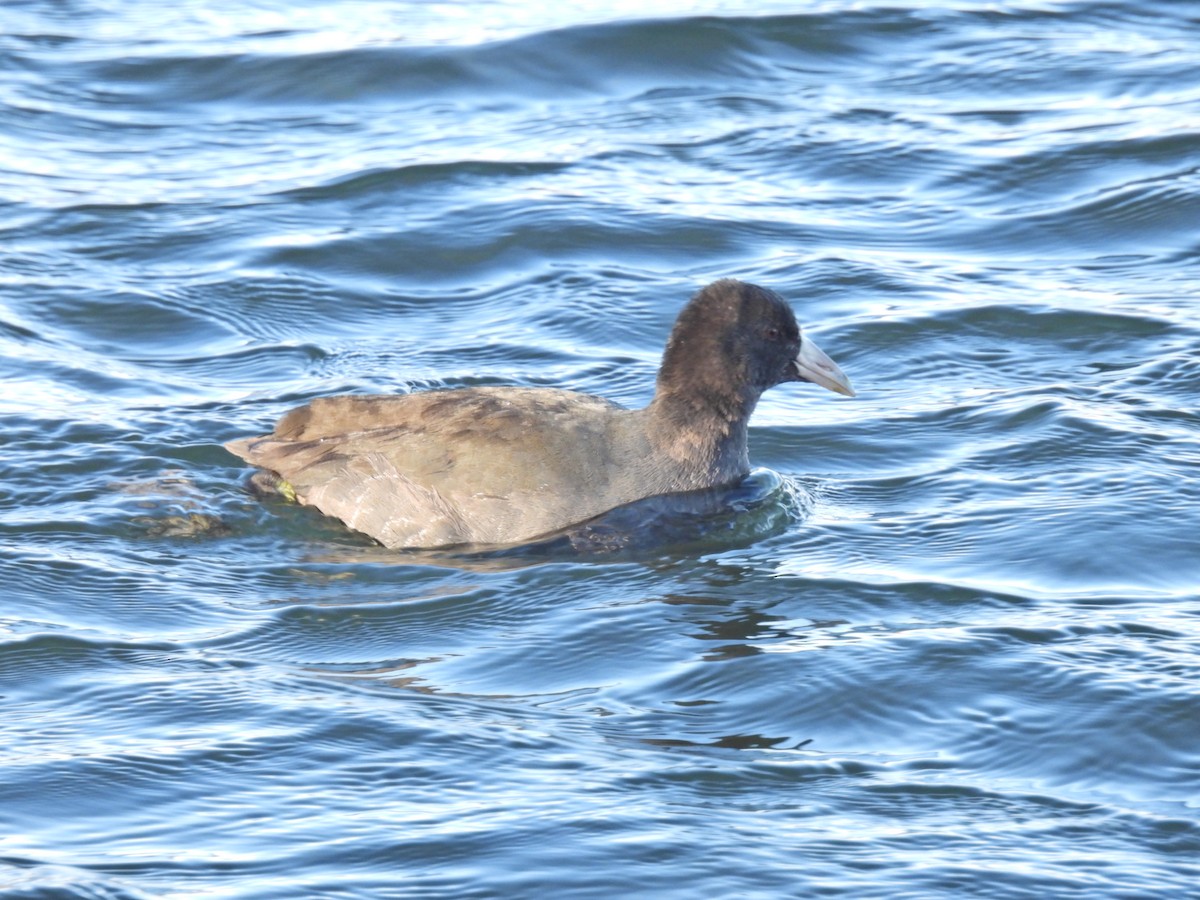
{"x": 733, "y": 341}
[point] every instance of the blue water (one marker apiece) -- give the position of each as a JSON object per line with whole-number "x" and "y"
{"x": 948, "y": 645}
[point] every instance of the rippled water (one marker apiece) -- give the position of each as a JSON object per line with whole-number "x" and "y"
{"x": 947, "y": 648}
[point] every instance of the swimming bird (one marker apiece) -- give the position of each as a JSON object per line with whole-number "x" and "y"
{"x": 501, "y": 465}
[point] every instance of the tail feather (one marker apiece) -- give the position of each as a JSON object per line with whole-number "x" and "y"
{"x": 241, "y": 448}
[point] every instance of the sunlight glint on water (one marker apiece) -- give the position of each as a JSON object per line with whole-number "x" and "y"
{"x": 941, "y": 644}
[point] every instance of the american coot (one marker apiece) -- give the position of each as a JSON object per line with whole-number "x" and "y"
{"x": 497, "y": 465}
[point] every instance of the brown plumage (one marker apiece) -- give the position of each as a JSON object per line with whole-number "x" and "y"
{"x": 506, "y": 464}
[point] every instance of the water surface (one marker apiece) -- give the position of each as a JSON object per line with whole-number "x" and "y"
{"x": 946, "y": 647}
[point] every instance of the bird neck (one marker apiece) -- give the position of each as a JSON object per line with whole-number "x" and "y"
{"x": 703, "y": 432}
